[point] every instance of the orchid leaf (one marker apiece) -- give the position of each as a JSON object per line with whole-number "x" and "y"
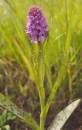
{"x": 24, "y": 116}
{"x": 63, "y": 115}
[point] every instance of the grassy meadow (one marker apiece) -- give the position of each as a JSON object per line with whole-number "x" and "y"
{"x": 16, "y": 74}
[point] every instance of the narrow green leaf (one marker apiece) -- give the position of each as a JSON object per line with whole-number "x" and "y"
{"x": 25, "y": 59}
{"x": 24, "y": 116}
{"x": 63, "y": 115}
{"x": 59, "y": 78}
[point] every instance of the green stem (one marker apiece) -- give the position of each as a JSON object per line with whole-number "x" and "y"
{"x": 41, "y": 81}
{"x": 38, "y": 66}
{"x": 42, "y": 121}
{"x": 41, "y": 76}
{"x": 42, "y": 98}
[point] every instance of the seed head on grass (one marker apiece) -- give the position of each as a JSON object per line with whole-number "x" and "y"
{"x": 37, "y": 26}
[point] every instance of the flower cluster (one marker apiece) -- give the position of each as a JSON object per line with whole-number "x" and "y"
{"x": 37, "y": 26}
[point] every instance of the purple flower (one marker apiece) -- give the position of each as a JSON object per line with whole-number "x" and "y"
{"x": 37, "y": 26}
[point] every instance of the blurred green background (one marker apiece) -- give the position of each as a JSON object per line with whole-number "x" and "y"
{"x": 16, "y": 75}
